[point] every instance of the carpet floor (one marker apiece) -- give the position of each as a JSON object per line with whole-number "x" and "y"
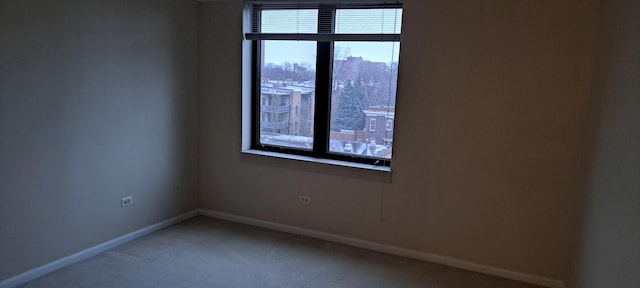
{"x": 205, "y": 252}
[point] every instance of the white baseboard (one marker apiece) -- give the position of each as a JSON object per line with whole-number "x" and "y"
{"x": 457, "y": 263}
{"x": 95, "y": 250}
{"x": 92, "y": 251}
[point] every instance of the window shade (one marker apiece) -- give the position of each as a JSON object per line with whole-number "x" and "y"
{"x": 289, "y": 21}
{"x": 352, "y": 21}
{"x": 368, "y": 21}
{"x": 311, "y": 3}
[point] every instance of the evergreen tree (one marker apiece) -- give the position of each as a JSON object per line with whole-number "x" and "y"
{"x": 350, "y": 115}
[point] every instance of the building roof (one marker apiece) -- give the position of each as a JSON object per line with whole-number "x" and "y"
{"x": 380, "y": 110}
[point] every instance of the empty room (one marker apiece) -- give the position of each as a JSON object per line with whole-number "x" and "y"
{"x": 320, "y": 143}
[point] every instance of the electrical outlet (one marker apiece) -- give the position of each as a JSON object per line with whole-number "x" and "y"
{"x": 126, "y": 201}
{"x": 305, "y": 199}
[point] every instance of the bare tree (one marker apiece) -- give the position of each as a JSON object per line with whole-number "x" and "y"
{"x": 340, "y": 55}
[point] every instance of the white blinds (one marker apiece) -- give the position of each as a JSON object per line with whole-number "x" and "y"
{"x": 320, "y": 21}
{"x": 322, "y": 2}
{"x": 368, "y": 21}
{"x": 289, "y": 21}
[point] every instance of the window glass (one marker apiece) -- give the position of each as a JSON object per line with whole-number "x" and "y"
{"x": 365, "y": 76}
{"x": 287, "y": 93}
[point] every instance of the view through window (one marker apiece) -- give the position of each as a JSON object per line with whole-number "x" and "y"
{"x": 349, "y": 53}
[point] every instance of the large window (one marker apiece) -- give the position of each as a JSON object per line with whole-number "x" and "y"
{"x": 323, "y": 76}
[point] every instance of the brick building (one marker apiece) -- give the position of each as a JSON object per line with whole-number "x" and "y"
{"x": 379, "y": 124}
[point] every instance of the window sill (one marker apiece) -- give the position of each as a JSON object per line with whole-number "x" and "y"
{"x": 384, "y": 169}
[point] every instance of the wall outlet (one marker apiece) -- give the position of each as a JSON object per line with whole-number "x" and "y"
{"x": 126, "y": 201}
{"x": 305, "y": 199}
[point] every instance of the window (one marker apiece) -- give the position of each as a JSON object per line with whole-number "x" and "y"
{"x": 321, "y": 72}
{"x": 389, "y": 125}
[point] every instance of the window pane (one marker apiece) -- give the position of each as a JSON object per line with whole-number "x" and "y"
{"x": 363, "y": 98}
{"x": 368, "y": 21}
{"x": 287, "y": 93}
{"x": 289, "y": 21}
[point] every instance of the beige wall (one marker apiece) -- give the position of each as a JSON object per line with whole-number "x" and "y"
{"x": 491, "y": 107}
{"x": 609, "y": 242}
{"x": 97, "y": 102}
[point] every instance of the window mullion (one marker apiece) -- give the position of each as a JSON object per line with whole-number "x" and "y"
{"x": 326, "y": 18}
{"x": 256, "y": 47}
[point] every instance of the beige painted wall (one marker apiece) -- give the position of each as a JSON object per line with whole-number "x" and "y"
{"x": 491, "y": 107}
{"x": 609, "y": 242}
{"x": 96, "y": 103}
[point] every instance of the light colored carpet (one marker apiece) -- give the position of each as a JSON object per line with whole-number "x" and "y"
{"x": 204, "y": 252}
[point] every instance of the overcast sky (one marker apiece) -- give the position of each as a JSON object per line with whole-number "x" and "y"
{"x": 278, "y": 52}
